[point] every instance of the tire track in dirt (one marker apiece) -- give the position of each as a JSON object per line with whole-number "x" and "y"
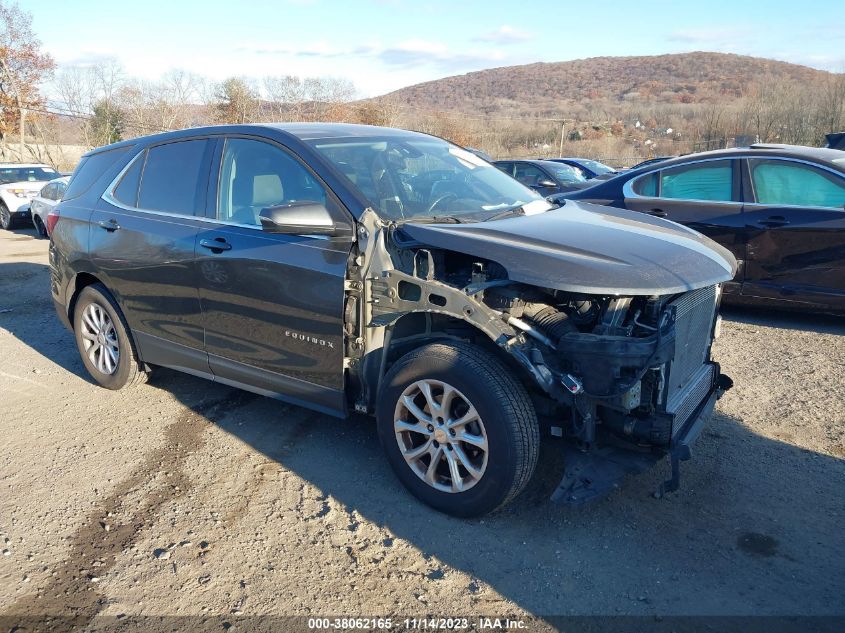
{"x": 71, "y": 597}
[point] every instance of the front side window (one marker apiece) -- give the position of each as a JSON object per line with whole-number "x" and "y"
{"x": 255, "y": 175}
{"x": 414, "y": 177}
{"x": 709, "y": 180}
{"x": 175, "y": 177}
{"x": 565, "y": 173}
{"x": 528, "y": 174}
{"x": 792, "y": 183}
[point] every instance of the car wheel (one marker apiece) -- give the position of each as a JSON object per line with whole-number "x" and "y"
{"x": 458, "y": 428}
{"x": 104, "y": 340}
{"x": 39, "y": 226}
{"x": 5, "y": 217}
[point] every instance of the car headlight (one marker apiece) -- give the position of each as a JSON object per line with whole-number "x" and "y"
{"x": 20, "y": 193}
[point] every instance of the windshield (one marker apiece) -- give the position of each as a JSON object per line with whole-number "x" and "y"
{"x": 596, "y": 166}
{"x": 26, "y": 174}
{"x": 565, "y": 173}
{"x": 406, "y": 178}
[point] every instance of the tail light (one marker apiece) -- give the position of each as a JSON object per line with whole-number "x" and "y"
{"x": 52, "y": 218}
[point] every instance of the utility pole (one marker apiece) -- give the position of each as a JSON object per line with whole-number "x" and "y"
{"x": 22, "y": 129}
{"x": 562, "y": 134}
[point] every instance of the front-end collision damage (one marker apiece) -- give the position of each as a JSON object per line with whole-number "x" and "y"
{"x": 625, "y": 380}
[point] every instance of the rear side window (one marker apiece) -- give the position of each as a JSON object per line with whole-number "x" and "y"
{"x": 710, "y": 180}
{"x": 127, "y": 189}
{"x": 89, "y": 169}
{"x": 646, "y": 185}
{"x": 785, "y": 182}
{"x": 175, "y": 177}
{"x": 47, "y": 191}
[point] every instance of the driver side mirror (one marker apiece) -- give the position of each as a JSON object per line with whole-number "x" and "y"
{"x": 546, "y": 182}
{"x": 303, "y": 217}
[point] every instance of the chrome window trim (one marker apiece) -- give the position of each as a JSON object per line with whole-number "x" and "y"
{"x": 628, "y": 187}
{"x": 108, "y": 196}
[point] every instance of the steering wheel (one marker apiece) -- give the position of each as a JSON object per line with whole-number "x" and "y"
{"x": 442, "y": 198}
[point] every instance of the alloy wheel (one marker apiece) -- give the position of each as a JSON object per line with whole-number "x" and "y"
{"x": 441, "y": 436}
{"x": 99, "y": 338}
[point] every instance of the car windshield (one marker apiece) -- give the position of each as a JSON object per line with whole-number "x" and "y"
{"x": 419, "y": 178}
{"x": 565, "y": 173}
{"x": 26, "y": 174}
{"x": 596, "y": 166}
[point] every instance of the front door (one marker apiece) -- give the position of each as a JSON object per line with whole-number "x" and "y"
{"x": 142, "y": 241}
{"x": 272, "y": 304}
{"x": 796, "y": 220}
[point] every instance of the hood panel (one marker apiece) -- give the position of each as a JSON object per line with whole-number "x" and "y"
{"x": 589, "y": 249}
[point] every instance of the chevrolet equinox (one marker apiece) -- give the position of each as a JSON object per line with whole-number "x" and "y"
{"x": 349, "y": 268}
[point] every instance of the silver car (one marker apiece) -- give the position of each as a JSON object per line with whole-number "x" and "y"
{"x": 46, "y": 200}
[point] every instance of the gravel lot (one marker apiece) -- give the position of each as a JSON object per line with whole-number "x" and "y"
{"x": 185, "y": 497}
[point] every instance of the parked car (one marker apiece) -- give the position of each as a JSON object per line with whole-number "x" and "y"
{"x": 777, "y": 208}
{"x": 46, "y": 201}
{"x": 545, "y": 177}
{"x": 835, "y": 140}
{"x": 355, "y": 268}
{"x": 589, "y": 169}
{"x": 20, "y": 183}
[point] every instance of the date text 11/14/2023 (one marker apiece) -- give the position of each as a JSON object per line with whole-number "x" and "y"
{"x": 423, "y": 623}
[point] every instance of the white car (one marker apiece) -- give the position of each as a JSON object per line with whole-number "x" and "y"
{"x": 45, "y": 201}
{"x": 20, "y": 183}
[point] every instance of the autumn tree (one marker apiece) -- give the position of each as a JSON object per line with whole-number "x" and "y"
{"x": 23, "y": 66}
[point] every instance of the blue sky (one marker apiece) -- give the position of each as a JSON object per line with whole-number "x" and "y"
{"x": 382, "y": 45}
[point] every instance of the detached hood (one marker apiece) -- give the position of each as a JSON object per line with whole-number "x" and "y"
{"x": 589, "y": 249}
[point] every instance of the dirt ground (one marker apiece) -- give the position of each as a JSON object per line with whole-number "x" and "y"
{"x": 182, "y": 497}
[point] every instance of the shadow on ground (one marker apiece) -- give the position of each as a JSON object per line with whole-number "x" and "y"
{"x": 755, "y": 529}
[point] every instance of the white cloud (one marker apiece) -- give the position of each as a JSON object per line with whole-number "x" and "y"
{"x": 505, "y": 34}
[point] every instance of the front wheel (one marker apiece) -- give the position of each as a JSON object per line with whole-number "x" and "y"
{"x": 5, "y": 217}
{"x": 458, "y": 428}
{"x": 103, "y": 339}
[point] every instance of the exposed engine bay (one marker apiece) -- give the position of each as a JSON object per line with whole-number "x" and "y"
{"x": 603, "y": 370}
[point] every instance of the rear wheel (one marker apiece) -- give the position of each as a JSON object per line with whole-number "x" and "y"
{"x": 104, "y": 340}
{"x": 5, "y": 217}
{"x": 458, "y": 428}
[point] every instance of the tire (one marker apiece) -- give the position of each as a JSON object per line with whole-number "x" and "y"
{"x": 110, "y": 370}
{"x": 505, "y": 438}
{"x": 6, "y": 221}
{"x": 40, "y": 228}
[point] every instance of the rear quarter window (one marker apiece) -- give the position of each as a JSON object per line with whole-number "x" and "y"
{"x": 90, "y": 168}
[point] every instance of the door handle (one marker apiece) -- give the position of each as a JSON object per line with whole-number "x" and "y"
{"x": 774, "y": 221}
{"x": 660, "y": 213}
{"x": 217, "y": 244}
{"x": 110, "y": 225}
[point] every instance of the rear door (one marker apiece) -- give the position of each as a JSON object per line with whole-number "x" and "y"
{"x": 703, "y": 195}
{"x": 272, "y": 304}
{"x": 796, "y": 220}
{"x": 143, "y": 234}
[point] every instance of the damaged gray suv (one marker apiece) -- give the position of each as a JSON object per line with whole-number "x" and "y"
{"x": 360, "y": 269}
